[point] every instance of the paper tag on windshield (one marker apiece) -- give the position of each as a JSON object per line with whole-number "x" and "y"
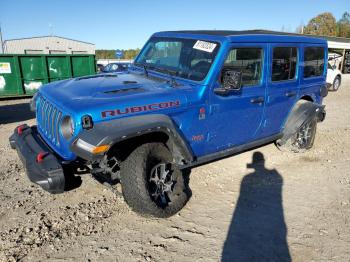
{"x": 204, "y": 46}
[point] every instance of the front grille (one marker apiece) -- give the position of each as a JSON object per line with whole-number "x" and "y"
{"x": 48, "y": 118}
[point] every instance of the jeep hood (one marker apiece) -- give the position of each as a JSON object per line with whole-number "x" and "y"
{"x": 106, "y": 92}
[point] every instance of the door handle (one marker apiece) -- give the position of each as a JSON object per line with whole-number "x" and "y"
{"x": 258, "y": 100}
{"x": 290, "y": 94}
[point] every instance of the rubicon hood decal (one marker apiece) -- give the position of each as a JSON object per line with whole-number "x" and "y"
{"x": 142, "y": 108}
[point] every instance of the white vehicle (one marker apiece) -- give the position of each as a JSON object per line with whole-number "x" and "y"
{"x": 333, "y": 73}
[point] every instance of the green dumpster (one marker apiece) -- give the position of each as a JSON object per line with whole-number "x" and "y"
{"x": 22, "y": 75}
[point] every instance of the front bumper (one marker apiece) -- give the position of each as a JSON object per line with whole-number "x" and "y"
{"x": 42, "y": 166}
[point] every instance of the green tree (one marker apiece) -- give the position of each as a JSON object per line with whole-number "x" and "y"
{"x": 110, "y": 54}
{"x": 343, "y": 25}
{"x": 323, "y": 24}
{"x": 131, "y": 53}
{"x": 105, "y": 54}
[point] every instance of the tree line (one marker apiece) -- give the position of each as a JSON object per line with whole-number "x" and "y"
{"x": 110, "y": 54}
{"x": 325, "y": 24}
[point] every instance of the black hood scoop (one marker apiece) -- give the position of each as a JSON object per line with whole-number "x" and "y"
{"x": 125, "y": 90}
{"x": 95, "y": 76}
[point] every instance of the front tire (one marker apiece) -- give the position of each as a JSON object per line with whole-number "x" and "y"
{"x": 151, "y": 183}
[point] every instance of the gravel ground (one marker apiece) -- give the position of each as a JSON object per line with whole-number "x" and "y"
{"x": 283, "y": 206}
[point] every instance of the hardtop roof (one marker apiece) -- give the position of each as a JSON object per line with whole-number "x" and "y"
{"x": 253, "y": 35}
{"x": 232, "y": 32}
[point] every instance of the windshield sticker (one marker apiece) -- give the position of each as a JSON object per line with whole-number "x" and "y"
{"x": 204, "y": 46}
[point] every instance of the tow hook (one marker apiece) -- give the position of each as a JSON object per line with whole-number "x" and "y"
{"x": 21, "y": 128}
{"x": 40, "y": 157}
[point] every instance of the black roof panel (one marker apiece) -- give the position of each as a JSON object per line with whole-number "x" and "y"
{"x": 231, "y": 32}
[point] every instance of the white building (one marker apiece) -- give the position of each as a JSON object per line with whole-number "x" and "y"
{"x": 47, "y": 45}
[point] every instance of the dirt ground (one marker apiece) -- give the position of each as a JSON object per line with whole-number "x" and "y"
{"x": 292, "y": 206}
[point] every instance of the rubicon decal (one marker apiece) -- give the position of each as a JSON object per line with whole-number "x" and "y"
{"x": 137, "y": 109}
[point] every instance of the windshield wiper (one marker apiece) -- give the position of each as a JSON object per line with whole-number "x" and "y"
{"x": 171, "y": 73}
{"x": 146, "y": 71}
{"x": 145, "y": 68}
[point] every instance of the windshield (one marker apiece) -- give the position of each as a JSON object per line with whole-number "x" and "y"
{"x": 186, "y": 58}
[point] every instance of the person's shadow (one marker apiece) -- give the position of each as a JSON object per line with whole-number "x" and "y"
{"x": 258, "y": 231}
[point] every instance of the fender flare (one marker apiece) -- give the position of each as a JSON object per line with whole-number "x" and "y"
{"x": 302, "y": 112}
{"x": 114, "y": 131}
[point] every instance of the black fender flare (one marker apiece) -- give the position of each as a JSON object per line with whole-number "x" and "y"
{"x": 117, "y": 130}
{"x": 302, "y": 112}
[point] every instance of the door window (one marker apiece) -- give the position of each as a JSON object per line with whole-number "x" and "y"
{"x": 248, "y": 61}
{"x": 284, "y": 63}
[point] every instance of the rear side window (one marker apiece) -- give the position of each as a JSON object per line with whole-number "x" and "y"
{"x": 284, "y": 63}
{"x": 313, "y": 61}
{"x": 248, "y": 61}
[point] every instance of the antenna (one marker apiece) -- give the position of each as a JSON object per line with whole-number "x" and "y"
{"x": 1, "y": 43}
{"x": 51, "y": 29}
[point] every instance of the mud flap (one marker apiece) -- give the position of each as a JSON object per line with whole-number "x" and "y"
{"x": 302, "y": 112}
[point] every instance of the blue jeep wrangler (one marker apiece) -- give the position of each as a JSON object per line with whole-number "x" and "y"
{"x": 191, "y": 97}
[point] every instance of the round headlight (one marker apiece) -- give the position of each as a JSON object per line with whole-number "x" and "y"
{"x": 67, "y": 127}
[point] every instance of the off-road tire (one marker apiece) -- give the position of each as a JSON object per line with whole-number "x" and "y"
{"x": 336, "y": 83}
{"x": 135, "y": 175}
{"x": 292, "y": 144}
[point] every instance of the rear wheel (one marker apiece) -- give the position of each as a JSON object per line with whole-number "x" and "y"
{"x": 303, "y": 139}
{"x": 151, "y": 183}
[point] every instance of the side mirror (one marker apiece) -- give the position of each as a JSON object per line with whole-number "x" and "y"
{"x": 231, "y": 81}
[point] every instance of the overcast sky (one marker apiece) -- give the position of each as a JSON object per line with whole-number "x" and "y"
{"x": 129, "y": 23}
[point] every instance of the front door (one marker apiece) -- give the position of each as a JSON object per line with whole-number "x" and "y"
{"x": 236, "y": 118}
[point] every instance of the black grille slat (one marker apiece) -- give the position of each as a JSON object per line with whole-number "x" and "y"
{"x": 47, "y": 121}
{"x": 44, "y": 116}
{"x": 59, "y": 116}
{"x": 53, "y": 122}
{"x": 38, "y": 111}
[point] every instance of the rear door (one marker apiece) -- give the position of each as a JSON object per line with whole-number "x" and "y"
{"x": 282, "y": 85}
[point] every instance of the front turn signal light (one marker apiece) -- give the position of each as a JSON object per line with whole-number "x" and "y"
{"x": 100, "y": 149}
{"x": 91, "y": 148}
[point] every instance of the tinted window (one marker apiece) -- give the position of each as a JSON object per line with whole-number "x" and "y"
{"x": 114, "y": 67}
{"x": 107, "y": 67}
{"x": 313, "y": 61}
{"x": 247, "y": 60}
{"x": 284, "y": 63}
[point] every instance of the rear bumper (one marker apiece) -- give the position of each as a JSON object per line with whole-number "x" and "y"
{"x": 42, "y": 166}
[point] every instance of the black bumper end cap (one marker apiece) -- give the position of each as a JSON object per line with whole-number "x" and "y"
{"x": 12, "y": 142}
{"x": 47, "y": 173}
